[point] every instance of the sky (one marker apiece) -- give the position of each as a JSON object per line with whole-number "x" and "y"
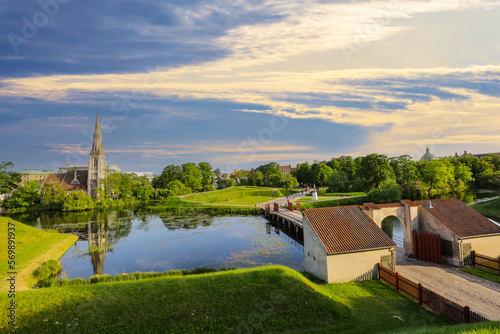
{"x": 241, "y": 83}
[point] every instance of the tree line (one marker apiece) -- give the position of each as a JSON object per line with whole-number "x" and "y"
{"x": 387, "y": 179}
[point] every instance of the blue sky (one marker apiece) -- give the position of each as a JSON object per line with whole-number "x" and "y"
{"x": 241, "y": 83}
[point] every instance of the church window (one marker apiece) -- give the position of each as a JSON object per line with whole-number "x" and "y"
{"x": 95, "y": 162}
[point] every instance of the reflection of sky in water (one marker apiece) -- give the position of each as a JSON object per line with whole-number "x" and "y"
{"x": 150, "y": 246}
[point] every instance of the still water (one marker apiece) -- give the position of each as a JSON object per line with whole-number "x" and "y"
{"x": 126, "y": 241}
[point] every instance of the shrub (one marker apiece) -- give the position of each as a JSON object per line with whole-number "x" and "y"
{"x": 47, "y": 270}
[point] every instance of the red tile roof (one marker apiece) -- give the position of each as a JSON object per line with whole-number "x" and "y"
{"x": 410, "y": 203}
{"x": 347, "y": 229}
{"x": 65, "y": 179}
{"x": 459, "y": 218}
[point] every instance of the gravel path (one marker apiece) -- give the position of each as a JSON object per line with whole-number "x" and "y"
{"x": 481, "y": 295}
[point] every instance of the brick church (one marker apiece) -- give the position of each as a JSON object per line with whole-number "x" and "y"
{"x": 84, "y": 178}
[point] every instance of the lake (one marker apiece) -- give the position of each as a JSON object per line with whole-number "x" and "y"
{"x": 125, "y": 241}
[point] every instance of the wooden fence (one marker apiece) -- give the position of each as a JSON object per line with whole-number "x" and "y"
{"x": 427, "y": 247}
{"x": 484, "y": 261}
{"x": 430, "y": 299}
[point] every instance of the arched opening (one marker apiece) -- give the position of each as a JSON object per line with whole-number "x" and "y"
{"x": 393, "y": 227}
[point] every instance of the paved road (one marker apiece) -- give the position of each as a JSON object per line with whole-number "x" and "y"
{"x": 282, "y": 201}
{"x": 481, "y": 295}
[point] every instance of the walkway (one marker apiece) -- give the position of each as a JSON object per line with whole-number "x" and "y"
{"x": 481, "y": 295}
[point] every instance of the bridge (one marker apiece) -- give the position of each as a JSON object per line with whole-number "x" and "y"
{"x": 286, "y": 220}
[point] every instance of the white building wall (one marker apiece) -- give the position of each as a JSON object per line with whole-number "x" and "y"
{"x": 314, "y": 252}
{"x": 357, "y": 266}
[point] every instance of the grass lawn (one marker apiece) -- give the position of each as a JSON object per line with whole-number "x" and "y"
{"x": 490, "y": 209}
{"x": 484, "y": 273}
{"x": 33, "y": 247}
{"x": 260, "y": 300}
{"x": 236, "y": 195}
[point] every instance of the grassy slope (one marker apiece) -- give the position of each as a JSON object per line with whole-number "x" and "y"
{"x": 490, "y": 209}
{"x": 266, "y": 299}
{"x": 237, "y": 195}
{"x": 33, "y": 247}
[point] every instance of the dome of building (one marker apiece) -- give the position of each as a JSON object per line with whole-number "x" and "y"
{"x": 428, "y": 156}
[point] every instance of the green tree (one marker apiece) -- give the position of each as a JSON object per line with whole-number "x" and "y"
{"x": 78, "y": 201}
{"x": 255, "y": 178}
{"x": 141, "y": 188}
{"x": 25, "y": 196}
{"x": 207, "y": 176}
{"x": 53, "y": 196}
{"x": 8, "y": 179}
{"x": 390, "y": 192}
{"x": 272, "y": 168}
{"x": 374, "y": 169}
{"x": 304, "y": 174}
{"x": 321, "y": 174}
{"x": 275, "y": 180}
{"x": 191, "y": 176}
{"x": 337, "y": 181}
{"x": 169, "y": 174}
{"x": 177, "y": 188}
{"x": 404, "y": 168}
{"x": 437, "y": 174}
{"x": 289, "y": 182}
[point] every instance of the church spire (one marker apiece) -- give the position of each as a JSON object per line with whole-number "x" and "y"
{"x": 97, "y": 146}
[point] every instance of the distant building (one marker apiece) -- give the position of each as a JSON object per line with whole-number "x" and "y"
{"x": 34, "y": 175}
{"x": 428, "y": 156}
{"x": 84, "y": 178}
{"x": 287, "y": 169}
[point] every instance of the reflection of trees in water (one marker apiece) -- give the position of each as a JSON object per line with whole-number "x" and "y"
{"x": 175, "y": 222}
{"x": 393, "y": 227}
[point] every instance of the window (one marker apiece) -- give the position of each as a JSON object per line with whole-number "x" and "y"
{"x": 95, "y": 162}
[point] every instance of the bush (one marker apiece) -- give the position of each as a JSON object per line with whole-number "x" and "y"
{"x": 47, "y": 270}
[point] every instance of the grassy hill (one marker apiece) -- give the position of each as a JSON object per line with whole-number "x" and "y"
{"x": 236, "y": 195}
{"x": 260, "y": 300}
{"x": 33, "y": 247}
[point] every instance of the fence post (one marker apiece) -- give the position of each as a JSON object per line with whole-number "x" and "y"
{"x": 420, "y": 294}
{"x": 473, "y": 253}
{"x": 397, "y": 281}
{"x": 379, "y": 265}
{"x": 467, "y": 315}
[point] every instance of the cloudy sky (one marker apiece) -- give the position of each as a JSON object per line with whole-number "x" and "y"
{"x": 240, "y": 83}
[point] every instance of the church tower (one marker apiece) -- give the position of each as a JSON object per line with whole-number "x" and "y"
{"x": 97, "y": 162}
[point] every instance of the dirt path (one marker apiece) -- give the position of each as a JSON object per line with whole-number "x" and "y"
{"x": 481, "y": 295}
{"x": 25, "y": 279}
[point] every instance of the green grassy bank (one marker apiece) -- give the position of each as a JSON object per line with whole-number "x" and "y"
{"x": 237, "y": 195}
{"x": 32, "y": 248}
{"x": 490, "y": 209}
{"x": 260, "y": 300}
{"x": 177, "y": 205}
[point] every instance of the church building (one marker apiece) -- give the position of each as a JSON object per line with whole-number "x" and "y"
{"x": 84, "y": 178}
